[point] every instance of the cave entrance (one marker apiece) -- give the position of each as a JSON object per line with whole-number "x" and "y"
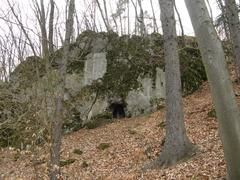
{"x": 117, "y": 110}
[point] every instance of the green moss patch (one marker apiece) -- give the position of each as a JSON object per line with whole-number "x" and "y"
{"x": 84, "y": 164}
{"x": 103, "y": 146}
{"x": 162, "y": 124}
{"x": 66, "y": 162}
{"x": 212, "y": 113}
{"x": 77, "y": 151}
{"x": 192, "y": 70}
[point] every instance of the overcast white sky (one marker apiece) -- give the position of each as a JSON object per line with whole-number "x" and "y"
{"x": 29, "y": 21}
{"x": 27, "y": 11}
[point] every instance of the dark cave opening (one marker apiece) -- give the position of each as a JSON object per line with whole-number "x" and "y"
{"x": 117, "y": 110}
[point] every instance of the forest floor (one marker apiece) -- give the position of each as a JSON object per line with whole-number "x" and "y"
{"x": 120, "y": 149}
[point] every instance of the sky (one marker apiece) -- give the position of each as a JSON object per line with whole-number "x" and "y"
{"x": 27, "y": 11}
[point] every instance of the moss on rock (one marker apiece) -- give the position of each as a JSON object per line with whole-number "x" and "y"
{"x": 128, "y": 59}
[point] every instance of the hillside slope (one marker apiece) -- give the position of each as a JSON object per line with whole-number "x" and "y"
{"x": 119, "y": 150}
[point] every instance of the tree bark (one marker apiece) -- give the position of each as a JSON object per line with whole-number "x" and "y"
{"x": 141, "y": 19}
{"x": 222, "y": 91}
{"x": 177, "y": 145}
{"x": 106, "y": 13}
{"x": 128, "y": 14}
{"x": 40, "y": 14}
{"x": 58, "y": 120}
{"x": 234, "y": 27}
{"x": 50, "y": 32}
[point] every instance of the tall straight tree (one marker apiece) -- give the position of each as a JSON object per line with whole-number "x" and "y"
{"x": 155, "y": 26}
{"x": 58, "y": 119}
{"x": 41, "y": 17}
{"x": 234, "y": 27}
{"x": 222, "y": 91}
{"x": 50, "y": 31}
{"x": 177, "y": 144}
{"x": 141, "y": 19}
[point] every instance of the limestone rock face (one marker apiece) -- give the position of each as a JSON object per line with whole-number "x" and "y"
{"x": 96, "y": 64}
{"x": 146, "y": 99}
{"x": 95, "y": 67}
{"x": 107, "y": 77}
{"x": 141, "y": 101}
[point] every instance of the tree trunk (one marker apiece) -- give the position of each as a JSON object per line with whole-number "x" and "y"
{"x": 41, "y": 17}
{"x": 106, "y": 14}
{"x": 141, "y": 19}
{"x": 210, "y": 10}
{"x": 155, "y": 27}
{"x": 222, "y": 91}
{"x": 136, "y": 17}
{"x": 58, "y": 120}
{"x": 177, "y": 145}
{"x": 181, "y": 25}
{"x": 128, "y": 16}
{"x": 50, "y": 32}
{"x": 234, "y": 27}
{"x": 42, "y": 24}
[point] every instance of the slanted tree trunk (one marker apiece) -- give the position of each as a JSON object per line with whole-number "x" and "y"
{"x": 227, "y": 110}
{"x": 234, "y": 27}
{"x": 106, "y": 13}
{"x": 58, "y": 120}
{"x": 177, "y": 145}
{"x": 210, "y": 10}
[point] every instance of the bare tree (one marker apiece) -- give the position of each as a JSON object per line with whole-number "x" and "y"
{"x": 7, "y": 56}
{"x": 106, "y": 13}
{"x": 227, "y": 110}
{"x": 128, "y": 16}
{"x": 140, "y": 18}
{"x": 155, "y": 26}
{"x": 221, "y": 20}
{"x": 41, "y": 17}
{"x": 51, "y": 27}
{"x": 177, "y": 145}
{"x": 58, "y": 120}
{"x": 234, "y": 26}
{"x": 180, "y": 22}
{"x": 104, "y": 17}
{"x": 20, "y": 24}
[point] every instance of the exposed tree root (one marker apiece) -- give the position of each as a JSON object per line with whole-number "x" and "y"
{"x": 167, "y": 158}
